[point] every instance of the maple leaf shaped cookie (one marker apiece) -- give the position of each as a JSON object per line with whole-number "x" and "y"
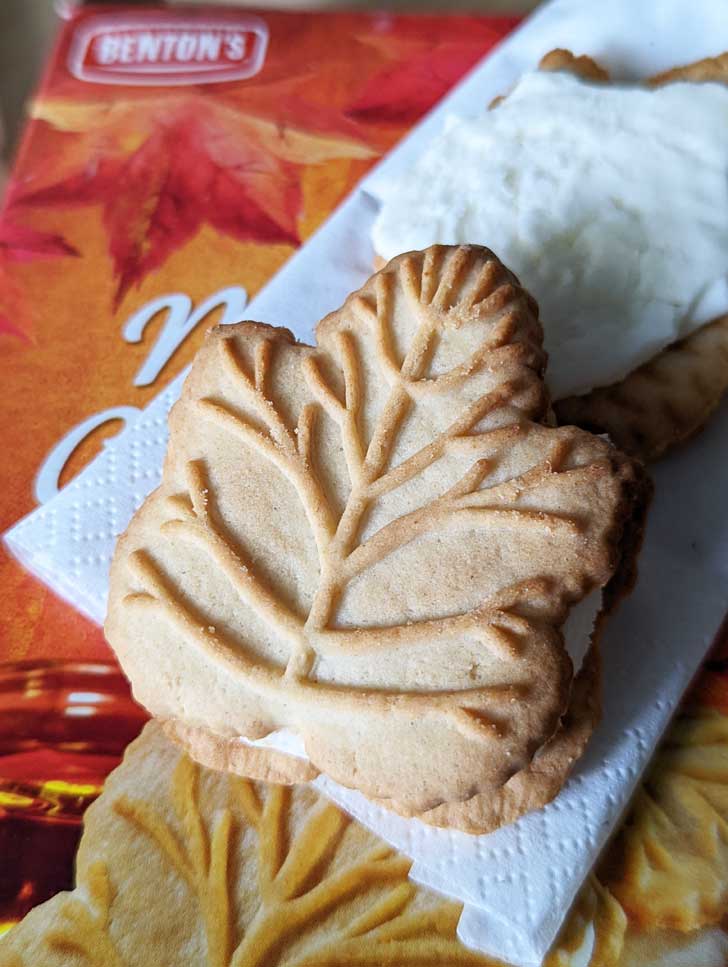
{"x": 373, "y": 542}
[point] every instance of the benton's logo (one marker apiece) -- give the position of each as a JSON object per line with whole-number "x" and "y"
{"x": 167, "y": 50}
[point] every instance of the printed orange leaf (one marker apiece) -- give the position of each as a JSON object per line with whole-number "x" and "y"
{"x": 671, "y": 859}
{"x": 162, "y": 167}
{"x": 122, "y": 125}
{"x": 411, "y": 84}
{"x": 155, "y": 198}
{"x": 20, "y": 243}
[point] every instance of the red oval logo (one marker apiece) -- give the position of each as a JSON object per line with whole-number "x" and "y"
{"x": 167, "y": 50}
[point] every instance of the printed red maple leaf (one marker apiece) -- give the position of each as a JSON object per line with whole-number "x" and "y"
{"x": 20, "y": 243}
{"x": 422, "y": 71}
{"x": 155, "y": 198}
{"x": 191, "y": 162}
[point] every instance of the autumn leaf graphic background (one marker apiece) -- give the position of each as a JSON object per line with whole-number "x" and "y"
{"x": 191, "y": 161}
{"x": 420, "y": 68}
{"x": 20, "y": 243}
{"x": 161, "y": 166}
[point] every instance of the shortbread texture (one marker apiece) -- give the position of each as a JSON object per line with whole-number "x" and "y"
{"x": 374, "y": 542}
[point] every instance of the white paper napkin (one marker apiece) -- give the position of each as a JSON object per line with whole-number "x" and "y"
{"x": 518, "y": 882}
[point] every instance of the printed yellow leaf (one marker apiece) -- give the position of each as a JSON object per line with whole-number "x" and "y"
{"x": 594, "y": 933}
{"x": 125, "y": 124}
{"x": 704, "y": 947}
{"x": 180, "y": 865}
{"x": 672, "y": 856}
{"x": 299, "y": 146}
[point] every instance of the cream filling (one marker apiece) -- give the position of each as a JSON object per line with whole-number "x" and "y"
{"x": 577, "y": 632}
{"x": 610, "y": 204}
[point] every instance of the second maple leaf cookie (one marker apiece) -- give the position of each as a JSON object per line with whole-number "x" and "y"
{"x": 373, "y": 545}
